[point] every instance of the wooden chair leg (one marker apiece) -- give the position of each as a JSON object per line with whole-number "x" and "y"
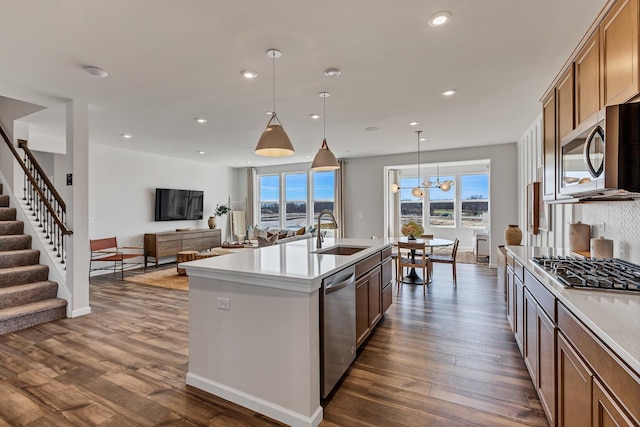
{"x": 455, "y": 279}
{"x": 425, "y": 279}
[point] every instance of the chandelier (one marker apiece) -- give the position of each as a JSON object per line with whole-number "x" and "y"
{"x": 418, "y": 191}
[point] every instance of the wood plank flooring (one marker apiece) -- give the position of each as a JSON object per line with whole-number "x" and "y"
{"x": 444, "y": 359}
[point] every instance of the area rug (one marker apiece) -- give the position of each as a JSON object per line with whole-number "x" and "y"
{"x": 165, "y": 278}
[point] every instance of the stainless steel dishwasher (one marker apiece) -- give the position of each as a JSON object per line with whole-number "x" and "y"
{"x": 338, "y": 327}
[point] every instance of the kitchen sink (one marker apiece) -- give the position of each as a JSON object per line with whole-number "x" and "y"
{"x": 341, "y": 250}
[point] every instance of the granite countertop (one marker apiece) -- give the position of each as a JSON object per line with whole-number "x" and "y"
{"x": 613, "y": 316}
{"x": 293, "y": 265}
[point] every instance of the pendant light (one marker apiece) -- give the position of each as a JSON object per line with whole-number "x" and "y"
{"x": 418, "y": 191}
{"x": 274, "y": 141}
{"x": 324, "y": 160}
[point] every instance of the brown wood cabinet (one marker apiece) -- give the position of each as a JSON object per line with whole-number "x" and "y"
{"x": 564, "y": 107}
{"x": 605, "y": 409}
{"x": 549, "y": 155}
{"x": 619, "y": 53}
{"x": 169, "y": 243}
{"x": 587, "y": 77}
{"x": 574, "y": 387}
{"x": 373, "y": 292}
{"x": 518, "y": 313}
{"x": 511, "y": 298}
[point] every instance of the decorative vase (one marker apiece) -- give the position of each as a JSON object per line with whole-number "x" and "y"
{"x": 512, "y": 235}
{"x": 412, "y": 237}
{"x": 212, "y": 222}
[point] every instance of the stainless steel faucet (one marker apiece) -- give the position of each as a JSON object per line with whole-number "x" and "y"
{"x": 334, "y": 225}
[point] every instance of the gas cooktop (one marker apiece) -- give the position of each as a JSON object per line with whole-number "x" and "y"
{"x": 604, "y": 274}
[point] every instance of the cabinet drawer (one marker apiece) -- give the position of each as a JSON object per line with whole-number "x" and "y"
{"x": 386, "y": 252}
{"x": 168, "y": 237}
{"x": 518, "y": 269}
{"x": 623, "y": 383}
{"x": 192, "y": 245}
{"x": 367, "y": 264}
{"x": 210, "y": 242}
{"x": 543, "y": 296}
{"x": 387, "y": 271}
{"x": 169, "y": 248}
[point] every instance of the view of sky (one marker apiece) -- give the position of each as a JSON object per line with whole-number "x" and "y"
{"x": 296, "y": 186}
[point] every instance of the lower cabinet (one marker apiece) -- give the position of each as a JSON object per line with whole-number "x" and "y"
{"x": 374, "y": 294}
{"x": 579, "y": 380}
{"x": 574, "y": 387}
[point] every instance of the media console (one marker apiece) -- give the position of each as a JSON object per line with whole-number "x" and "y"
{"x": 168, "y": 243}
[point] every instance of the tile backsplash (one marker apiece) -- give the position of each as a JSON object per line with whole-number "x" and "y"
{"x": 621, "y": 224}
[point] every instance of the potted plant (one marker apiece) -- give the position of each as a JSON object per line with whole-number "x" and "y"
{"x": 218, "y": 211}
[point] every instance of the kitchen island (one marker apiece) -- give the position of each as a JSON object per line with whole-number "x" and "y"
{"x": 254, "y": 325}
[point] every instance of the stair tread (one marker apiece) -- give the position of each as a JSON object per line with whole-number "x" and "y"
{"x": 26, "y": 286}
{"x": 34, "y": 307}
{"x": 23, "y": 268}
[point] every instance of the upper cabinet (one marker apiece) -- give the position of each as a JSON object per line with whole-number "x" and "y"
{"x": 604, "y": 70}
{"x": 587, "y": 79}
{"x": 619, "y": 59}
{"x": 564, "y": 93}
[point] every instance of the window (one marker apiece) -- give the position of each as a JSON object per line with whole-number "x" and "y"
{"x": 292, "y": 190}
{"x": 442, "y": 204}
{"x": 295, "y": 185}
{"x": 474, "y": 196}
{"x": 411, "y": 207}
{"x": 269, "y": 187}
{"x": 323, "y": 192}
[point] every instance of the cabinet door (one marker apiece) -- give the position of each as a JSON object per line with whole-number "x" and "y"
{"x": 606, "y": 410}
{"x": 518, "y": 313}
{"x": 619, "y": 53}
{"x": 546, "y": 364}
{"x": 511, "y": 299}
{"x": 375, "y": 293}
{"x": 565, "y": 95}
{"x": 549, "y": 146}
{"x": 588, "y": 79}
{"x": 362, "y": 309}
{"x": 530, "y": 348}
{"x": 574, "y": 387}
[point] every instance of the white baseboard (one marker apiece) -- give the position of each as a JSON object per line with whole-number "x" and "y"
{"x": 256, "y": 404}
{"x": 80, "y": 312}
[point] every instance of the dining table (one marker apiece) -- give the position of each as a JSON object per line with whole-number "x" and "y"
{"x": 413, "y": 278}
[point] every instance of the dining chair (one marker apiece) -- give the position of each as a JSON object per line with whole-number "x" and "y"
{"x": 412, "y": 255}
{"x": 448, "y": 259}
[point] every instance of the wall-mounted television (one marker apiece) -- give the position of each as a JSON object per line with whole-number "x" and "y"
{"x": 175, "y": 205}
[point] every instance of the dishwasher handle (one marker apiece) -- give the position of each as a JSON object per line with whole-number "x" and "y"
{"x": 334, "y": 287}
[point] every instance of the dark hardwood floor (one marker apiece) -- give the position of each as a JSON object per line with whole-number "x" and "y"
{"x": 444, "y": 359}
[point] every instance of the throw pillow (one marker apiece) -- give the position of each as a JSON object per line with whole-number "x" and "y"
{"x": 301, "y": 231}
{"x": 267, "y": 241}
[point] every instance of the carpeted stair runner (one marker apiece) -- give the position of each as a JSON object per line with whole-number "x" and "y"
{"x": 27, "y": 297}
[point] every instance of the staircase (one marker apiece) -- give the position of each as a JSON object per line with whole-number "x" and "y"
{"x": 27, "y": 297}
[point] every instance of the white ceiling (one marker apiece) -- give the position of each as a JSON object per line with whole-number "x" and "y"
{"x": 172, "y": 61}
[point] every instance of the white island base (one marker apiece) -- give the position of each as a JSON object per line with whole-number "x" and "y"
{"x": 254, "y": 325}
{"x": 262, "y": 354}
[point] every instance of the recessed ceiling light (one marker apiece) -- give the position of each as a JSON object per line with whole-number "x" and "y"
{"x": 307, "y": 156}
{"x": 200, "y": 152}
{"x": 269, "y": 113}
{"x": 439, "y": 18}
{"x": 371, "y": 128}
{"x": 95, "y": 71}
{"x": 314, "y": 116}
{"x": 249, "y": 162}
{"x": 126, "y": 136}
{"x": 414, "y": 123}
{"x": 248, "y": 74}
{"x": 449, "y": 92}
{"x": 332, "y": 72}
{"x": 201, "y": 121}
{"x": 423, "y": 139}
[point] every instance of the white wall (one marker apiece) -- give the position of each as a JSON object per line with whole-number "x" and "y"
{"x": 122, "y": 187}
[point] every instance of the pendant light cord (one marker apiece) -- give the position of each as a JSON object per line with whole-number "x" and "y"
{"x": 324, "y": 118}
{"x": 418, "y": 132}
{"x": 273, "y": 58}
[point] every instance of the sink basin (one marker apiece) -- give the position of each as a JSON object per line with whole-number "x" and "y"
{"x": 341, "y": 250}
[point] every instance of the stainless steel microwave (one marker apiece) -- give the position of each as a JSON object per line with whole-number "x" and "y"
{"x": 601, "y": 159}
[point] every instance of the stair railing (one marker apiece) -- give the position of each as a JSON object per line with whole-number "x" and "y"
{"x": 43, "y": 199}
